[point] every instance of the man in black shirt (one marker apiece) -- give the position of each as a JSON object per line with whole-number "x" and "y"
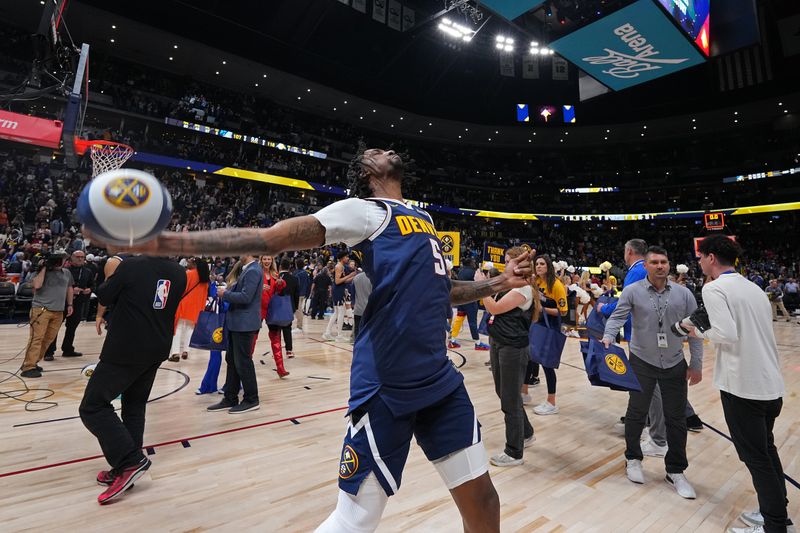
{"x": 320, "y": 292}
{"x": 291, "y": 291}
{"x": 145, "y": 292}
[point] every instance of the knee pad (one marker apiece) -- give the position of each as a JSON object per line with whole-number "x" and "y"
{"x": 360, "y": 513}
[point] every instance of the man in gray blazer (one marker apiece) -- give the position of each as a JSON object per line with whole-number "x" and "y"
{"x": 243, "y": 320}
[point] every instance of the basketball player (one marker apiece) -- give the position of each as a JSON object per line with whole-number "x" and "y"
{"x": 402, "y": 383}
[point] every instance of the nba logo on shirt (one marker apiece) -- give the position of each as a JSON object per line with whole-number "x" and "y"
{"x": 162, "y": 293}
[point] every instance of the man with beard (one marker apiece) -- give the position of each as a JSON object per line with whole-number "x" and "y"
{"x": 402, "y": 384}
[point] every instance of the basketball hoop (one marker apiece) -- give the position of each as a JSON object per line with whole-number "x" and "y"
{"x": 106, "y": 155}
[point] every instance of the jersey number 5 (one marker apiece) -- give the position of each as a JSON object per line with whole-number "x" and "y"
{"x": 439, "y": 265}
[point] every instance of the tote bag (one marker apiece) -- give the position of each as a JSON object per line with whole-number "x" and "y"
{"x": 609, "y": 367}
{"x": 547, "y": 341}
{"x": 279, "y": 312}
{"x": 209, "y": 330}
{"x": 596, "y": 323}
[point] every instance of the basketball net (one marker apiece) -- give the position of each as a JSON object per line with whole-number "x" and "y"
{"x": 106, "y": 155}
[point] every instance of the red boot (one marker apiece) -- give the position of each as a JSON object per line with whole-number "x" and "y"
{"x": 277, "y": 354}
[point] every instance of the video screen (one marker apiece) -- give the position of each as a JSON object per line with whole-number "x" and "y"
{"x": 692, "y": 16}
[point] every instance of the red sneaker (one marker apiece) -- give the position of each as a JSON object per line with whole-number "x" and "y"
{"x": 124, "y": 481}
{"x": 453, "y": 344}
{"x": 481, "y": 347}
{"x": 105, "y": 477}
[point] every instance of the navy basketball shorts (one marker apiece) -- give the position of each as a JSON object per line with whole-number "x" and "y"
{"x": 376, "y": 441}
{"x": 338, "y": 299}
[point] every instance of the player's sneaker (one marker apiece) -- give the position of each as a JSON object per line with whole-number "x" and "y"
{"x": 681, "y": 485}
{"x": 527, "y": 399}
{"x": 651, "y": 449}
{"x": 106, "y": 477}
{"x": 529, "y": 441}
{"x": 453, "y": 344}
{"x": 482, "y": 347}
{"x": 124, "y": 481}
{"x": 297, "y": 331}
{"x": 329, "y": 338}
{"x": 290, "y": 355}
{"x": 752, "y": 518}
{"x": 633, "y": 469}
{"x": 694, "y": 424}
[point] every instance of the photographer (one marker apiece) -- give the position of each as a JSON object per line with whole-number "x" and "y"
{"x": 656, "y": 357}
{"x": 748, "y": 375}
{"x": 83, "y": 277}
{"x": 52, "y": 300}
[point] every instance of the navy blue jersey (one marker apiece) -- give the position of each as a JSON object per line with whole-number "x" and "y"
{"x": 338, "y": 290}
{"x": 400, "y": 352}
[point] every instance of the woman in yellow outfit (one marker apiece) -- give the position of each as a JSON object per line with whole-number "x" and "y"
{"x": 553, "y": 295}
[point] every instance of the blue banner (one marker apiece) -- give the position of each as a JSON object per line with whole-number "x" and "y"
{"x": 634, "y": 45}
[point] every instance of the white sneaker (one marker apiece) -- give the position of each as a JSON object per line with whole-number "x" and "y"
{"x": 529, "y": 441}
{"x": 297, "y": 331}
{"x": 748, "y": 529}
{"x": 633, "y": 469}
{"x": 752, "y": 518}
{"x": 545, "y": 408}
{"x": 681, "y": 485}
{"x": 526, "y": 399}
{"x": 651, "y": 449}
{"x": 341, "y": 339}
{"x": 504, "y": 460}
{"x": 328, "y": 337}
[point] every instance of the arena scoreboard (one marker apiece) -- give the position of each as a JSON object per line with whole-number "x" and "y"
{"x": 714, "y": 221}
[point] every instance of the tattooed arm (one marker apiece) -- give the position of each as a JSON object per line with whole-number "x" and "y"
{"x": 516, "y": 274}
{"x": 299, "y": 233}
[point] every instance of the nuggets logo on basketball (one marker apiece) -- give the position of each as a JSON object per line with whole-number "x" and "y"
{"x": 162, "y": 293}
{"x": 616, "y": 364}
{"x": 348, "y": 465}
{"x": 217, "y": 336}
{"x": 126, "y": 193}
{"x": 447, "y": 244}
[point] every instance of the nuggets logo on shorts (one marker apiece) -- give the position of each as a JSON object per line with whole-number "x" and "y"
{"x": 126, "y": 193}
{"x": 348, "y": 465}
{"x": 616, "y": 364}
{"x": 217, "y": 336}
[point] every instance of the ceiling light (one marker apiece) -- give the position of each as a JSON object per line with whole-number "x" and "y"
{"x": 499, "y": 39}
{"x": 466, "y": 129}
{"x": 360, "y": 118}
{"x": 497, "y": 132}
{"x": 534, "y": 50}
{"x": 534, "y": 43}
{"x": 530, "y": 140}
{"x": 334, "y": 109}
{"x": 420, "y": 131}
{"x": 113, "y": 27}
{"x": 373, "y": 110}
{"x": 256, "y": 85}
{"x": 694, "y": 127}
{"x": 499, "y": 46}
{"x": 693, "y": 120}
{"x": 391, "y": 126}
{"x": 112, "y": 40}
{"x": 448, "y": 22}
{"x": 735, "y": 120}
{"x": 490, "y": 139}
{"x": 175, "y": 46}
{"x": 780, "y": 103}
{"x": 224, "y": 62}
{"x": 264, "y": 76}
{"x": 508, "y": 48}
{"x": 459, "y": 136}
{"x": 430, "y": 123}
{"x": 345, "y": 101}
{"x": 735, "y": 112}
{"x": 217, "y": 72}
{"x": 606, "y": 138}
{"x": 170, "y": 58}
{"x": 308, "y": 90}
{"x": 401, "y": 118}
{"x": 509, "y": 40}
{"x": 544, "y": 51}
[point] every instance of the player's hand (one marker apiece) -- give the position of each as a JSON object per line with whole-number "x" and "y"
{"x": 70, "y": 310}
{"x": 479, "y": 276}
{"x": 599, "y": 308}
{"x": 518, "y": 271}
{"x": 220, "y": 292}
{"x": 694, "y": 376}
{"x": 606, "y": 343}
{"x": 98, "y": 325}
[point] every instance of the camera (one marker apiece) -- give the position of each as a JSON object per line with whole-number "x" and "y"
{"x": 52, "y": 260}
{"x": 698, "y": 319}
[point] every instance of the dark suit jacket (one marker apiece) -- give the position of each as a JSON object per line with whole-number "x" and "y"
{"x": 244, "y": 297}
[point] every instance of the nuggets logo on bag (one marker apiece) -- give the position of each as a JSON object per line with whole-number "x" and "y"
{"x": 348, "y": 465}
{"x": 217, "y": 336}
{"x": 615, "y": 364}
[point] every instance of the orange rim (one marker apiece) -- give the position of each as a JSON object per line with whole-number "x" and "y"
{"x": 82, "y": 145}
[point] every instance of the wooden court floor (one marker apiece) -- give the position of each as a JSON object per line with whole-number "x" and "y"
{"x": 276, "y": 469}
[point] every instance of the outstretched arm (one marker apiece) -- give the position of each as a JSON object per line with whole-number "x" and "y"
{"x": 299, "y": 233}
{"x": 517, "y": 274}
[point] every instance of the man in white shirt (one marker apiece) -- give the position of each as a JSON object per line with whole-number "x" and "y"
{"x": 748, "y": 374}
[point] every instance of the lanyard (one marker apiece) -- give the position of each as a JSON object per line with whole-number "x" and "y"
{"x": 659, "y": 312}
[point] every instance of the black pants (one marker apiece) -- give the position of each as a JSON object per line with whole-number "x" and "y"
{"x": 508, "y": 371}
{"x": 120, "y": 440}
{"x": 750, "y": 423}
{"x": 356, "y": 323}
{"x": 287, "y": 335}
{"x": 319, "y": 303}
{"x": 672, "y": 382}
{"x": 239, "y": 359}
{"x": 71, "y": 322}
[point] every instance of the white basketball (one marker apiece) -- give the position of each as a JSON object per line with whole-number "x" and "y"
{"x": 88, "y": 370}
{"x": 125, "y": 206}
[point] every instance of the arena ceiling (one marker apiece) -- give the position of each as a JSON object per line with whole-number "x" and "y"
{"x": 317, "y": 54}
